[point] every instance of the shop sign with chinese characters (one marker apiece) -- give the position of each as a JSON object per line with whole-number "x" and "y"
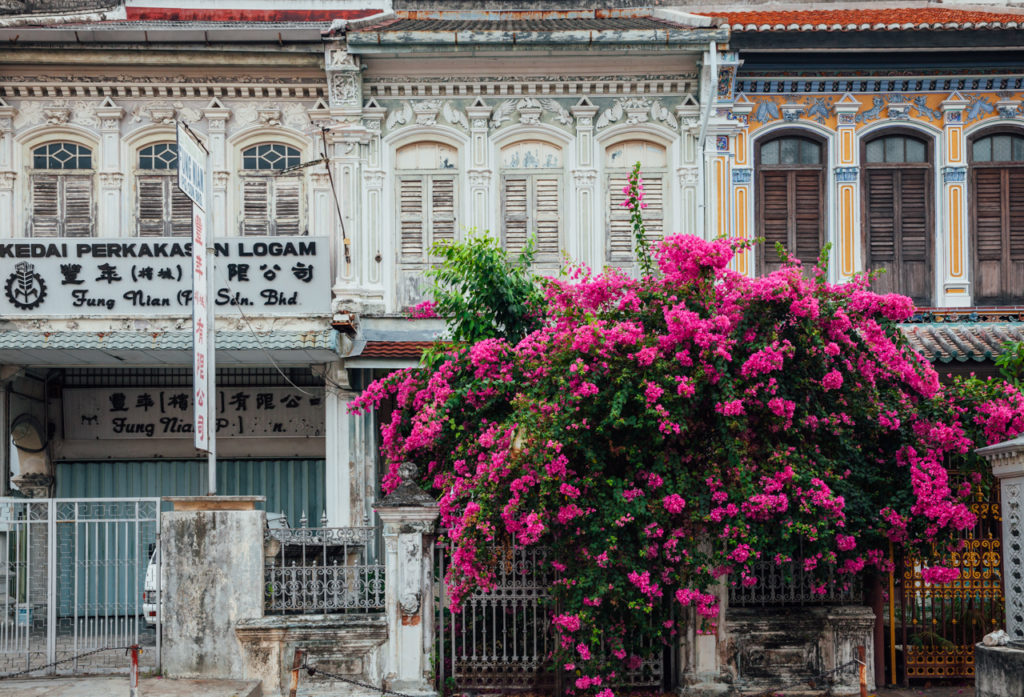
{"x": 153, "y": 277}
{"x": 166, "y": 412}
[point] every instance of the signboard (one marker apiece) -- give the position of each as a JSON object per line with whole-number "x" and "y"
{"x": 167, "y": 412}
{"x": 152, "y": 276}
{"x": 191, "y": 167}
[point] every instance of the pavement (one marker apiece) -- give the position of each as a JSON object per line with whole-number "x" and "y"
{"x": 117, "y": 686}
{"x": 928, "y": 691}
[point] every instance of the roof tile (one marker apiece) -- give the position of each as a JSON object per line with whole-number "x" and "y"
{"x": 888, "y": 19}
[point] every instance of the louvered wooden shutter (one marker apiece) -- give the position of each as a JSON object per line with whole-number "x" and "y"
{"x": 998, "y": 234}
{"x": 77, "y": 206}
{"x": 620, "y": 227}
{"x": 548, "y": 214}
{"x": 45, "y": 205}
{"x": 181, "y": 210}
{"x": 411, "y": 218}
{"x": 516, "y": 212}
{"x": 152, "y": 192}
{"x": 287, "y": 205}
{"x": 442, "y": 209}
{"x": 915, "y": 265}
{"x": 807, "y": 216}
{"x": 255, "y": 206}
{"x": 881, "y": 226}
{"x": 654, "y": 214}
{"x": 774, "y": 216}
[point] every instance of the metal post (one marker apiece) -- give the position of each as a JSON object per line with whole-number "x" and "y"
{"x": 211, "y": 333}
{"x": 133, "y": 673}
{"x": 296, "y": 665}
{"x": 861, "y": 659}
{"x": 51, "y": 601}
{"x": 892, "y": 616}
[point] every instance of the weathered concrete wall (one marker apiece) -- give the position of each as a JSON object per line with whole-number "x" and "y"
{"x": 16, "y": 7}
{"x": 998, "y": 671}
{"x": 213, "y": 577}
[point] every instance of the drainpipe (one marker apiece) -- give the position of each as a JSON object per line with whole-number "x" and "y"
{"x": 702, "y": 180}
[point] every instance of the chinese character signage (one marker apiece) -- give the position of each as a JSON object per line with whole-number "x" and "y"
{"x": 191, "y": 167}
{"x": 166, "y": 412}
{"x": 148, "y": 277}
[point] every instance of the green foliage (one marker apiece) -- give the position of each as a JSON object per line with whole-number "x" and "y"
{"x": 634, "y": 201}
{"x": 1011, "y": 363}
{"x": 484, "y": 293}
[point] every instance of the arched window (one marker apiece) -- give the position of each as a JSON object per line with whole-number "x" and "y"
{"x": 161, "y": 207}
{"x": 997, "y": 205}
{"x": 897, "y": 215}
{"x": 271, "y": 202}
{"x": 531, "y": 197}
{"x": 790, "y": 197}
{"x": 61, "y": 184}
{"x": 427, "y": 186}
{"x": 619, "y": 160}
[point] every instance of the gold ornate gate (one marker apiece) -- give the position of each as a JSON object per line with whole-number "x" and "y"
{"x": 941, "y": 622}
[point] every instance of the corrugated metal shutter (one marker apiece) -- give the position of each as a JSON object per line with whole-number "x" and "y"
{"x": 292, "y": 486}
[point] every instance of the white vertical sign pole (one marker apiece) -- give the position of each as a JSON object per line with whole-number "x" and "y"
{"x": 195, "y": 181}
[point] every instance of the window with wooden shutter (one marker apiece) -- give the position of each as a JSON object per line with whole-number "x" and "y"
{"x": 997, "y": 193}
{"x": 619, "y": 161}
{"x": 532, "y": 198}
{"x": 272, "y": 204}
{"x": 897, "y": 216}
{"x": 61, "y": 191}
{"x": 427, "y": 199}
{"x": 161, "y": 207}
{"x": 790, "y": 200}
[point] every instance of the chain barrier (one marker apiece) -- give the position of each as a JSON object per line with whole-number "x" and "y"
{"x": 35, "y": 669}
{"x": 811, "y": 681}
{"x": 313, "y": 670}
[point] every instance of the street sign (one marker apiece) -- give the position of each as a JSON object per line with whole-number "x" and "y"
{"x": 193, "y": 180}
{"x": 191, "y": 167}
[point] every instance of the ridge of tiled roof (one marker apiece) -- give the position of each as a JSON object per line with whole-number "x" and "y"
{"x": 945, "y": 342}
{"x": 395, "y": 349}
{"x": 865, "y": 19}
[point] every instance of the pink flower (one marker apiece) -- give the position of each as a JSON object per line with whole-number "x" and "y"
{"x": 569, "y": 623}
{"x": 940, "y": 574}
{"x": 833, "y": 380}
{"x": 673, "y": 503}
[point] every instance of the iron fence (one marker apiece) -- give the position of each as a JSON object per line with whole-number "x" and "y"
{"x": 788, "y": 584}
{"x": 322, "y": 571}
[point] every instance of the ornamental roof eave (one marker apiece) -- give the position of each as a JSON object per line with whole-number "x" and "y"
{"x": 962, "y": 341}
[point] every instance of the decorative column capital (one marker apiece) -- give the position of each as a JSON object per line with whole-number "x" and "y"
{"x": 7, "y": 180}
{"x": 742, "y": 175}
{"x": 846, "y": 174}
{"x": 111, "y": 180}
{"x": 585, "y": 178}
{"x": 954, "y": 175}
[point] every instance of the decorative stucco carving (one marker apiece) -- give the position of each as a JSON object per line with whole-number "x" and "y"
{"x": 426, "y": 112}
{"x": 454, "y": 116}
{"x": 346, "y": 89}
{"x": 530, "y": 111}
{"x": 7, "y": 180}
{"x": 637, "y": 110}
{"x": 373, "y": 178}
{"x": 584, "y": 178}
{"x": 111, "y": 180}
{"x": 479, "y": 177}
{"x": 399, "y": 117}
{"x": 56, "y": 115}
{"x": 688, "y": 176}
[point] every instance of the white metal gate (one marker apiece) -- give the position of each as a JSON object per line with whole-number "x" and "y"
{"x": 72, "y": 575}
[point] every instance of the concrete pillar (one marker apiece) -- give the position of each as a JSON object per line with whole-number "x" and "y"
{"x": 212, "y": 560}
{"x": 217, "y": 126}
{"x": 351, "y": 444}
{"x": 587, "y": 241}
{"x": 951, "y": 252}
{"x": 480, "y": 171}
{"x": 111, "y": 198}
{"x": 846, "y": 255}
{"x": 409, "y": 516}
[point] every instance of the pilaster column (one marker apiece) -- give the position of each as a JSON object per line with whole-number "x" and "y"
{"x": 1007, "y": 461}
{"x": 846, "y": 259}
{"x": 350, "y": 474}
{"x": 588, "y": 242}
{"x": 743, "y": 176}
{"x": 217, "y": 126}
{"x": 409, "y": 516}
{"x": 952, "y": 257}
{"x": 480, "y": 171}
{"x": 688, "y": 171}
{"x": 7, "y": 173}
{"x": 109, "y": 218}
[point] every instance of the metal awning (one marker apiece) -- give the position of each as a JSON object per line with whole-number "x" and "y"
{"x": 156, "y": 348}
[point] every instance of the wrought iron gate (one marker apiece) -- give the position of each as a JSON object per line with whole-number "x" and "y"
{"x": 941, "y": 622}
{"x": 72, "y": 575}
{"x": 501, "y": 640}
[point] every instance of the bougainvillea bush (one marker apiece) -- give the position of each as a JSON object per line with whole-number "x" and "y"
{"x": 659, "y": 435}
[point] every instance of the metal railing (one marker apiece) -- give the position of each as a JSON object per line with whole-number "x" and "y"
{"x": 788, "y": 584}
{"x": 321, "y": 571}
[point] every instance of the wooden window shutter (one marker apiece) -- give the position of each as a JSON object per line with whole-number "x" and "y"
{"x": 774, "y": 216}
{"x": 548, "y": 215}
{"x": 152, "y": 192}
{"x": 515, "y": 195}
{"x": 620, "y": 227}
{"x": 998, "y": 234}
{"x": 77, "y": 206}
{"x": 807, "y": 216}
{"x": 1013, "y": 286}
{"x": 181, "y": 210}
{"x": 442, "y": 209}
{"x": 287, "y": 205}
{"x": 255, "y": 206}
{"x": 654, "y": 214}
{"x": 881, "y": 225}
{"x": 411, "y": 218}
{"x": 915, "y": 272}
{"x": 45, "y": 205}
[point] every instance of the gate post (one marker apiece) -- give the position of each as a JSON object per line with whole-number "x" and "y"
{"x": 999, "y": 669}
{"x": 409, "y": 516}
